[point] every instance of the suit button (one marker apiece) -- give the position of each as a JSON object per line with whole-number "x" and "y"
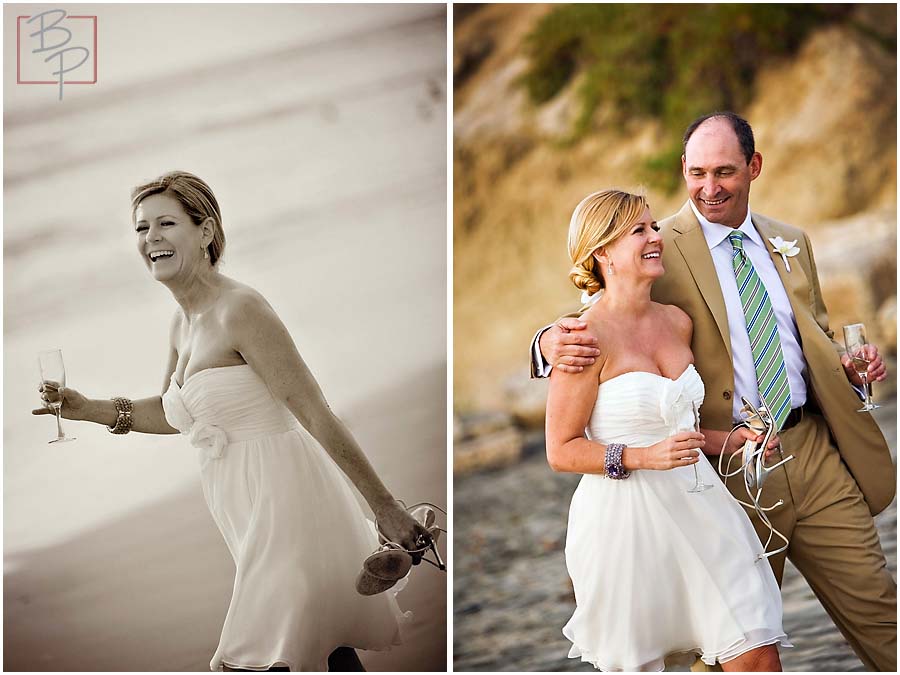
{"x": 726, "y": 395}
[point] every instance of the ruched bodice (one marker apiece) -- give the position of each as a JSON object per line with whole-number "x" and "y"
{"x": 640, "y": 408}
{"x": 659, "y": 571}
{"x": 218, "y": 406}
{"x": 291, "y": 522}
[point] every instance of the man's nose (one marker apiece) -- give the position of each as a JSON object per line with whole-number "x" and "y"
{"x": 711, "y": 186}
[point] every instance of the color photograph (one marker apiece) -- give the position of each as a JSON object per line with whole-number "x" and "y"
{"x": 674, "y": 337}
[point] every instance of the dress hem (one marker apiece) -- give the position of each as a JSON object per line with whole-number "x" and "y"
{"x": 724, "y": 655}
{"x": 402, "y": 619}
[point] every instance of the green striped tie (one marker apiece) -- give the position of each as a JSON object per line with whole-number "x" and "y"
{"x": 765, "y": 344}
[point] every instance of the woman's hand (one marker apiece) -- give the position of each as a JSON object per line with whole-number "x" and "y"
{"x": 737, "y": 440}
{"x": 681, "y": 449}
{"x": 400, "y": 527}
{"x": 74, "y": 404}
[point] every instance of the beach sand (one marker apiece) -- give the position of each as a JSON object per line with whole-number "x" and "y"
{"x": 322, "y": 131}
{"x": 512, "y": 595}
{"x": 149, "y": 590}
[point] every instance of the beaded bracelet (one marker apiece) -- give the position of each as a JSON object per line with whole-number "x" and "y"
{"x": 124, "y": 408}
{"x": 614, "y": 468}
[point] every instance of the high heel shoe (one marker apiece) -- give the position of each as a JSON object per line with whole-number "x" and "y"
{"x": 754, "y": 469}
{"x": 391, "y": 561}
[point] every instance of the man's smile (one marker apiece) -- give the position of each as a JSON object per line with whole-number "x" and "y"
{"x": 713, "y": 202}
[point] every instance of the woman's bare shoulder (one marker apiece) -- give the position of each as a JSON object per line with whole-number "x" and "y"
{"x": 238, "y": 301}
{"x": 601, "y": 325}
{"x": 678, "y": 319}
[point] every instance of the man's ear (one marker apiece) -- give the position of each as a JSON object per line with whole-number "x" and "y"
{"x": 755, "y": 166}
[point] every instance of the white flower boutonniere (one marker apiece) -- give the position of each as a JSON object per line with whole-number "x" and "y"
{"x": 786, "y": 249}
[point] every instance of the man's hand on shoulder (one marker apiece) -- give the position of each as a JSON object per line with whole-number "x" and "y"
{"x": 568, "y": 346}
{"x": 876, "y": 372}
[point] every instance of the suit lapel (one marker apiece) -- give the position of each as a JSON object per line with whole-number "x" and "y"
{"x": 795, "y": 282}
{"x": 693, "y": 247}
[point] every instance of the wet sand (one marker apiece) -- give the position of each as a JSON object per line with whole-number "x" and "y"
{"x": 512, "y": 595}
{"x": 149, "y": 590}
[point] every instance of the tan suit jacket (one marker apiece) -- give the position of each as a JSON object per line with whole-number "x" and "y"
{"x": 690, "y": 282}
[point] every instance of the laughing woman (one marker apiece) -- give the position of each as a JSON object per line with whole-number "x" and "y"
{"x": 659, "y": 573}
{"x": 271, "y": 452}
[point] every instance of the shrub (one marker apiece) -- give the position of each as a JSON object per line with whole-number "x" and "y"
{"x": 669, "y": 62}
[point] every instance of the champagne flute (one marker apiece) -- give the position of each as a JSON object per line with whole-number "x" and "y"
{"x": 855, "y": 340}
{"x": 50, "y": 363}
{"x": 699, "y": 485}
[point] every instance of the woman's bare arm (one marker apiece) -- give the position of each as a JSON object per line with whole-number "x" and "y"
{"x": 147, "y": 416}
{"x": 570, "y": 401}
{"x": 265, "y": 344}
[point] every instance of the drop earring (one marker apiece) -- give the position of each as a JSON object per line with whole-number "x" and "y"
{"x": 609, "y": 268}
{"x": 206, "y": 253}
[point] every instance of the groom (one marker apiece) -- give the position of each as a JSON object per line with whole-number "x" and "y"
{"x": 842, "y": 473}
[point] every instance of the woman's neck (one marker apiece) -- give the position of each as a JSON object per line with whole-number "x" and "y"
{"x": 628, "y": 298}
{"x": 197, "y": 293}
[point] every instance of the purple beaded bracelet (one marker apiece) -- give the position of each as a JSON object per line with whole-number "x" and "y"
{"x": 614, "y": 468}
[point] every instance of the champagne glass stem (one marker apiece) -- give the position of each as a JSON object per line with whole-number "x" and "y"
{"x": 53, "y": 375}
{"x": 867, "y": 387}
{"x": 699, "y": 485}
{"x": 865, "y": 380}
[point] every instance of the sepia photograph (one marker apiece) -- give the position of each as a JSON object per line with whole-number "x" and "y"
{"x": 225, "y": 337}
{"x": 674, "y": 337}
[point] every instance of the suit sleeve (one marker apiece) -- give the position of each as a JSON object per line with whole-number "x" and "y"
{"x": 817, "y": 303}
{"x": 539, "y": 367}
{"x": 821, "y": 314}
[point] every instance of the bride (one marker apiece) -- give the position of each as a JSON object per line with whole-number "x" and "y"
{"x": 237, "y": 387}
{"x": 660, "y": 574}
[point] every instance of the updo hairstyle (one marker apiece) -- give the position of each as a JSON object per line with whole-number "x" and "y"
{"x": 599, "y": 219}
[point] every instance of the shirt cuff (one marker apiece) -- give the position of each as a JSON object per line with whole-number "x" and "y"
{"x": 539, "y": 367}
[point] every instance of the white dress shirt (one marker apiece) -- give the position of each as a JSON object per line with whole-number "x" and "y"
{"x": 745, "y": 384}
{"x": 756, "y": 249}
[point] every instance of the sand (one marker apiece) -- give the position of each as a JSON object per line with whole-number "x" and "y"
{"x": 322, "y": 131}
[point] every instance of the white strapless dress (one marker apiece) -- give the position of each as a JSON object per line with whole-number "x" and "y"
{"x": 297, "y": 534}
{"x": 660, "y": 572}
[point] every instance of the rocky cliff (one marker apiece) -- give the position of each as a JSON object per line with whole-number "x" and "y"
{"x": 825, "y": 123}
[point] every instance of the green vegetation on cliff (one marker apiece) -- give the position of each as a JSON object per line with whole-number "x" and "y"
{"x": 669, "y": 62}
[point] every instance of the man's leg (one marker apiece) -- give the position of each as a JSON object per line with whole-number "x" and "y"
{"x": 835, "y": 547}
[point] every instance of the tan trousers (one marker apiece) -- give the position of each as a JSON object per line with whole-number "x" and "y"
{"x": 833, "y": 542}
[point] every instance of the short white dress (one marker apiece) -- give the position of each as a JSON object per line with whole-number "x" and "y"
{"x": 294, "y": 528}
{"x": 660, "y": 572}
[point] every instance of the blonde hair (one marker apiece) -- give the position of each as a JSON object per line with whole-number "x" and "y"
{"x": 599, "y": 220}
